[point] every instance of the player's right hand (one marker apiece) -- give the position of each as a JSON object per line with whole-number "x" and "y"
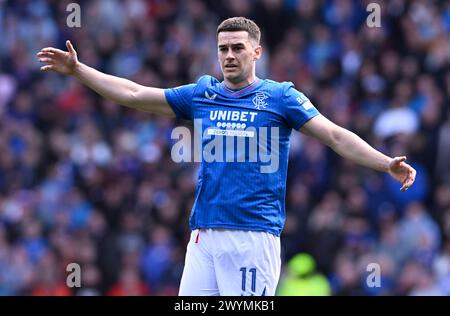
{"x": 58, "y": 60}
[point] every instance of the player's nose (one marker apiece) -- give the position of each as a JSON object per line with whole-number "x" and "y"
{"x": 229, "y": 55}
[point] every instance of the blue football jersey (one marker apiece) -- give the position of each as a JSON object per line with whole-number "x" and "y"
{"x": 244, "y": 150}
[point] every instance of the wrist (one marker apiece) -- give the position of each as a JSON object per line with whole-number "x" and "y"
{"x": 387, "y": 164}
{"x": 76, "y": 69}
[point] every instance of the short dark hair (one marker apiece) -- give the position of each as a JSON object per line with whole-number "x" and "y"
{"x": 240, "y": 23}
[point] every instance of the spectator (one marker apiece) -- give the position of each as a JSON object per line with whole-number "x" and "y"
{"x": 302, "y": 279}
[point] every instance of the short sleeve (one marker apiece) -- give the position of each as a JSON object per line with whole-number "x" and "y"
{"x": 298, "y": 109}
{"x": 180, "y": 100}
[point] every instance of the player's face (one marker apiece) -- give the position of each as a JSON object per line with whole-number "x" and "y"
{"x": 237, "y": 55}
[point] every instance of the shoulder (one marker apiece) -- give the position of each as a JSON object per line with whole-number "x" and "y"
{"x": 284, "y": 90}
{"x": 207, "y": 81}
{"x": 289, "y": 96}
{"x": 288, "y": 88}
{"x": 281, "y": 88}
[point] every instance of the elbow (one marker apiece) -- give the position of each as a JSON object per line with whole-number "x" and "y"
{"x": 332, "y": 138}
{"x": 133, "y": 96}
{"x": 336, "y": 137}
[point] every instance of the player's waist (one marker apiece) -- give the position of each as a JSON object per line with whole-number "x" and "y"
{"x": 230, "y": 227}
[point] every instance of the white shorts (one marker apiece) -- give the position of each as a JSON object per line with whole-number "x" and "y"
{"x": 231, "y": 263}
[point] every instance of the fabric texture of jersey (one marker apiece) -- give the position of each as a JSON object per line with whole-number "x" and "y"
{"x": 244, "y": 187}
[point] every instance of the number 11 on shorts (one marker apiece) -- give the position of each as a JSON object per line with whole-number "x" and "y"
{"x": 244, "y": 279}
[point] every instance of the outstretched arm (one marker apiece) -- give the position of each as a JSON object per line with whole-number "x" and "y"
{"x": 352, "y": 147}
{"x": 118, "y": 90}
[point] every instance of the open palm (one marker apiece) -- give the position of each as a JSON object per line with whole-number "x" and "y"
{"x": 58, "y": 60}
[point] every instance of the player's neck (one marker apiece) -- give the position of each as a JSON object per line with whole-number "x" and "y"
{"x": 241, "y": 84}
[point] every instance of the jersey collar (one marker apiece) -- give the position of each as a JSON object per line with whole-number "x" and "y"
{"x": 242, "y": 90}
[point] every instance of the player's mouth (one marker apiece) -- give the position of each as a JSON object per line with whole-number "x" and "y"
{"x": 231, "y": 67}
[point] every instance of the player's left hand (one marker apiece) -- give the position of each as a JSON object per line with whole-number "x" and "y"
{"x": 402, "y": 172}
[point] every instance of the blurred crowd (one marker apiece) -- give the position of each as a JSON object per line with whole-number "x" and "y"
{"x": 86, "y": 181}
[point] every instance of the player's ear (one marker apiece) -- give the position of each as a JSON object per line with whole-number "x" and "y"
{"x": 257, "y": 52}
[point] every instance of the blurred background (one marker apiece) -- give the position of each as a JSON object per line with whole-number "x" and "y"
{"x": 87, "y": 181}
